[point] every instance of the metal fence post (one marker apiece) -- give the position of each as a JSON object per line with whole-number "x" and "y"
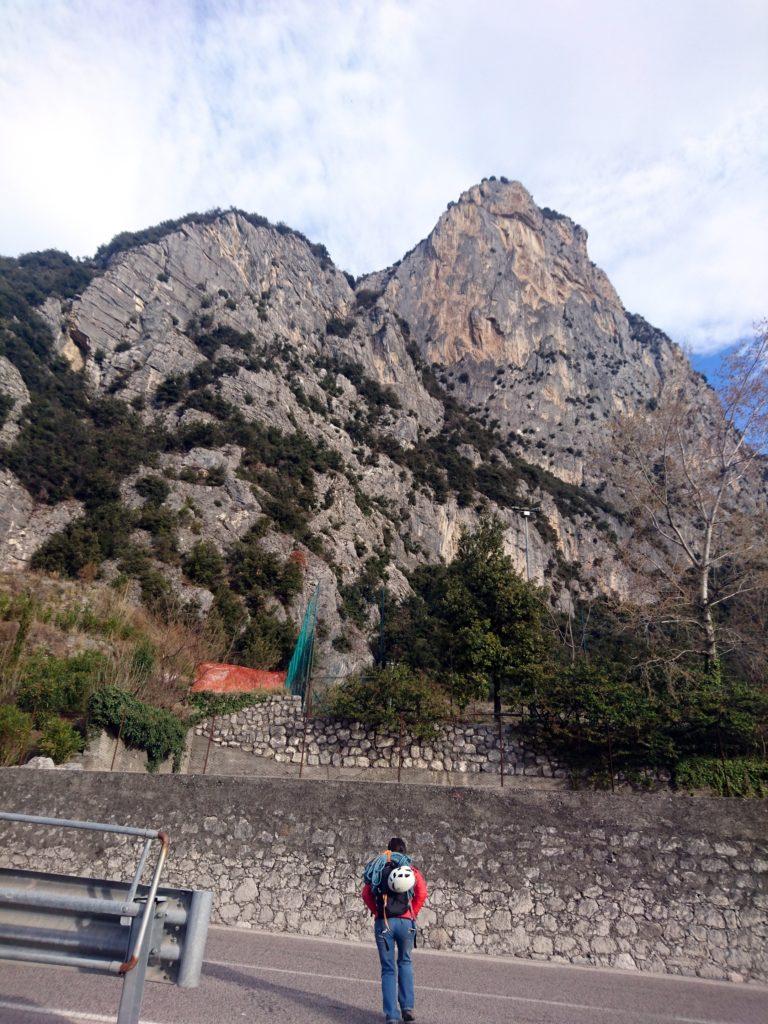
{"x": 194, "y": 945}
{"x": 303, "y": 743}
{"x": 501, "y": 750}
{"x": 210, "y": 741}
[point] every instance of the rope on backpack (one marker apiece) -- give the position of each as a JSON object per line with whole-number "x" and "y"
{"x": 374, "y": 869}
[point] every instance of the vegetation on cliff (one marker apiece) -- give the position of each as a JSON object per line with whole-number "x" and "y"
{"x": 606, "y": 704}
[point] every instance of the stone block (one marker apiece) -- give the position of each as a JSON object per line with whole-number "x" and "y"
{"x": 454, "y": 918}
{"x": 501, "y": 921}
{"x": 520, "y": 902}
{"x": 542, "y": 945}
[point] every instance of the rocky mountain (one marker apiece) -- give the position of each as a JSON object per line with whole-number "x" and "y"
{"x": 352, "y": 426}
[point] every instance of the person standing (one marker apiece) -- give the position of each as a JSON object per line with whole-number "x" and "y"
{"x": 395, "y": 892}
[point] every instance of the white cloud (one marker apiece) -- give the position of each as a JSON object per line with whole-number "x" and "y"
{"x": 357, "y": 121}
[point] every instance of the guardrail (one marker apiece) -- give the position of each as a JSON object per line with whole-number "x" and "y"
{"x": 137, "y": 932}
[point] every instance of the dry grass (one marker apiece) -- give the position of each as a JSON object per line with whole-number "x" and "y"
{"x": 152, "y": 658}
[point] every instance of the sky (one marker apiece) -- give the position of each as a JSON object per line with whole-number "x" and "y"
{"x": 357, "y": 122}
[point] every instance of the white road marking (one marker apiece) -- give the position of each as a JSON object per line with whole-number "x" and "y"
{"x": 60, "y": 1012}
{"x": 462, "y": 992}
{"x": 508, "y": 962}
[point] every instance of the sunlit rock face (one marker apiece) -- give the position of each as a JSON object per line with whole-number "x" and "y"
{"x": 523, "y": 328}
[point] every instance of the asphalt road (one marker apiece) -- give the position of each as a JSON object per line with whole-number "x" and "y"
{"x": 254, "y": 977}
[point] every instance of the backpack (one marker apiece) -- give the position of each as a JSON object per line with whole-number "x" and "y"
{"x": 376, "y": 874}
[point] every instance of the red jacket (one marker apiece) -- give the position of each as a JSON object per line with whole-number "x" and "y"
{"x": 419, "y": 897}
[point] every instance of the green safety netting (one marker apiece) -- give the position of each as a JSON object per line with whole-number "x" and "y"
{"x": 300, "y": 667}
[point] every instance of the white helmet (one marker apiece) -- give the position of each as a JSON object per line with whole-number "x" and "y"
{"x": 401, "y": 879}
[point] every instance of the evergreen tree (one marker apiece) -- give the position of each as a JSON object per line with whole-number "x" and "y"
{"x": 495, "y": 618}
{"x": 475, "y": 622}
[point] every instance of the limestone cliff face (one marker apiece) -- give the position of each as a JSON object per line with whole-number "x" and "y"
{"x": 499, "y": 316}
{"x": 523, "y": 328}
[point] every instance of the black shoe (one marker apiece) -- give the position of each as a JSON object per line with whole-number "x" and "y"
{"x": 409, "y": 1015}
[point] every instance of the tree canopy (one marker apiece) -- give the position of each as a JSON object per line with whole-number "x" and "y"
{"x": 475, "y": 621}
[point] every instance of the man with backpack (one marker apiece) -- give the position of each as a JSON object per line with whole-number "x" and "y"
{"x": 395, "y": 892}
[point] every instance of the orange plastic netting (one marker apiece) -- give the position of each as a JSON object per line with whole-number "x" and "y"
{"x": 212, "y": 677}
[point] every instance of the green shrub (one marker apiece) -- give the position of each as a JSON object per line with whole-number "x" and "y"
{"x": 204, "y": 564}
{"x": 387, "y": 698}
{"x": 155, "y": 589}
{"x": 101, "y": 533}
{"x": 170, "y": 390}
{"x": 59, "y": 740}
{"x": 6, "y": 404}
{"x": 15, "y": 734}
{"x": 51, "y": 686}
{"x": 358, "y": 597}
{"x": 210, "y": 342}
{"x": 211, "y": 705}
{"x": 738, "y": 776}
{"x": 216, "y": 476}
{"x": 81, "y": 452}
{"x": 162, "y": 523}
{"x": 265, "y": 642}
{"x": 143, "y": 661}
{"x": 36, "y": 275}
{"x": 159, "y": 733}
{"x": 257, "y": 574}
{"x": 84, "y": 618}
{"x": 340, "y": 328}
{"x": 153, "y": 488}
{"x": 229, "y": 611}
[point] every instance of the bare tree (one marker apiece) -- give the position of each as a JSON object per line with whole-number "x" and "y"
{"x": 695, "y": 483}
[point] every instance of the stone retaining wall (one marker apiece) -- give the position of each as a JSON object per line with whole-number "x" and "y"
{"x": 652, "y": 883}
{"x": 275, "y": 728}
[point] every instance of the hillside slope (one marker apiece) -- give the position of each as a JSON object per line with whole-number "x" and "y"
{"x": 310, "y": 429}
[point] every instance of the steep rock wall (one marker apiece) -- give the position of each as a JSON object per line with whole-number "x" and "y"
{"x": 525, "y": 330}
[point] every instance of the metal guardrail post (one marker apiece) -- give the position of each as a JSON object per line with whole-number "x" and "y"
{"x": 139, "y": 870}
{"x": 149, "y": 910}
{"x": 133, "y": 981}
{"x": 194, "y": 944}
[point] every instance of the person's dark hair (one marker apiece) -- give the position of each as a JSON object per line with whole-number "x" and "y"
{"x": 397, "y": 845}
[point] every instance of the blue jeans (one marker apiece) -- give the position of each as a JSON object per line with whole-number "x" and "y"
{"x": 396, "y": 985}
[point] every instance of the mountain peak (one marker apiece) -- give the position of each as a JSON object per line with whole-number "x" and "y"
{"x": 501, "y": 197}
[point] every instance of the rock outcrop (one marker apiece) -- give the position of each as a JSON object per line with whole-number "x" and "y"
{"x": 524, "y": 329}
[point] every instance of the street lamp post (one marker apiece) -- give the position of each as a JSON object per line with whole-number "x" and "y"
{"x": 526, "y": 513}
